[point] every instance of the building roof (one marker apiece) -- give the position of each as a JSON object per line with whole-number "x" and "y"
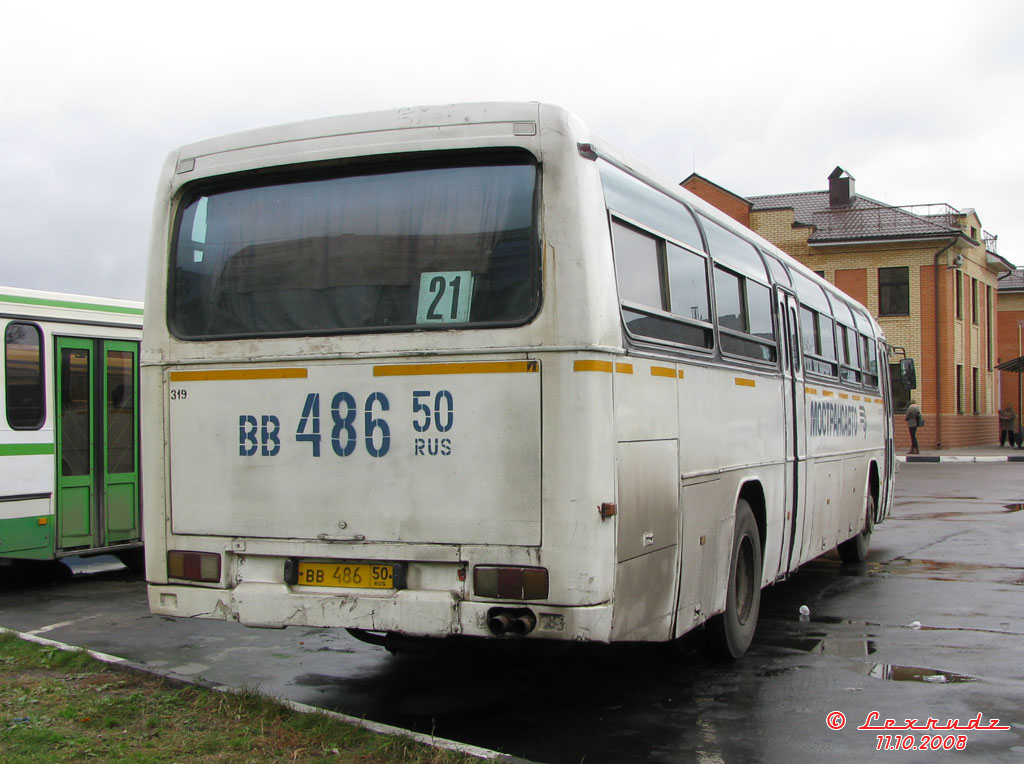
{"x": 1012, "y": 281}
{"x": 694, "y": 176}
{"x": 865, "y": 219}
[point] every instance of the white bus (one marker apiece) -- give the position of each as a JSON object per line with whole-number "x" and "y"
{"x": 69, "y": 437}
{"x": 468, "y": 371}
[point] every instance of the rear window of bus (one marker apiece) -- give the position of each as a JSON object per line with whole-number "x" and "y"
{"x": 413, "y": 246}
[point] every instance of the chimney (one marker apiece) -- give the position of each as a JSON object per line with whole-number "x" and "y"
{"x": 840, "y": 188}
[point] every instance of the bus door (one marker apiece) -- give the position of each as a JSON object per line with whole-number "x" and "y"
{"x": 796, "y": 447}
{"x": 97, "y": 425}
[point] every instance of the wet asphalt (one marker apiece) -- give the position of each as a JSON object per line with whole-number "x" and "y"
{"x": 931, "y": 627}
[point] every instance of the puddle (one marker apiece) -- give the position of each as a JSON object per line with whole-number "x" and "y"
{"x": 892, "y": 673}
{"x": 318, "y": 680}
{"x": 961, "y": 572}
{"x": 856, "y": 648}
{"x": 821, "y": 644}
{"x": 958, "y": 514}
{"x": 771, "y": 673}
{"x": 830, "y": 619}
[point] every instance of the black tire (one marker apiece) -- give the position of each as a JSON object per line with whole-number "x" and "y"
{"x": 856, "y": 549}
{"x": 729, "y": 634}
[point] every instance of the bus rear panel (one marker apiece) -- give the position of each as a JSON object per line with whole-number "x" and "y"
{"x": 465, "y": 371}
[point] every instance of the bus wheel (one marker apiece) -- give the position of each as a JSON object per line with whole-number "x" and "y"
{"x": 729, "y": 634}
{"x": 856, "y": 549}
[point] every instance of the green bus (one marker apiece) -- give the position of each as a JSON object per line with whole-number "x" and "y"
{"x": 70, "y": 482}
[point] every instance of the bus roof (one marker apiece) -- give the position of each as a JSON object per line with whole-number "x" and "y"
{"x": 256, "y": 145}
{"x": 37, "y": 304}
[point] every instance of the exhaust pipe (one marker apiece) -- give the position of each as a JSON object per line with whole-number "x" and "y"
{"x": 511, "y": 621}
{"x": 524, "y": 624}
{"x": 499, "y": 623}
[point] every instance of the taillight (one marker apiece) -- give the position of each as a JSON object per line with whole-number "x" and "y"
{"x": 194, "y": 566}
{"x": 509, "y": 582}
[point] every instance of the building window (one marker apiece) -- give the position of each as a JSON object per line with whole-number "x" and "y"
{"x": 959, "y": 389}
{"x": 958, "y": 279}
{"x": 975, "y": 391}
{"x": 974, "y": 301}
{"x": 894, "y": 291}
{"x": 988, "y": 326}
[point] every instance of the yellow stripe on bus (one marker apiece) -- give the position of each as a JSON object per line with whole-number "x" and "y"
{"x": 827, "y": 393}
{"x": 663, "y": 371}
{"x": 480, "y": 367}
{"x": 744, "y": 382}
{"x": 605, "y": 366}
{"x": 221, "y": 375}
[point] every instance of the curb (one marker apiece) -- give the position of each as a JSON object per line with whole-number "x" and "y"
{"x": 960, "y": 459}
{"x": 179, "y": 679}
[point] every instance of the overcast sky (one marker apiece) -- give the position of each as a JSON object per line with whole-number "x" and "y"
{"x": 920, "y": 102}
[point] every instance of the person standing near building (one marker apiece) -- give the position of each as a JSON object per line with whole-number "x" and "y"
{"x": 1007, "y": 425}
{"x": 914, "y": 420}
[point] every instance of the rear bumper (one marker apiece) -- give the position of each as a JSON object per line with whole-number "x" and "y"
{"x": 410, "y": 612}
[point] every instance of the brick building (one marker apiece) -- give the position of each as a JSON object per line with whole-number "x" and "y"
{"x": 1010, "y": 330}
{"x": 928, "y": 274}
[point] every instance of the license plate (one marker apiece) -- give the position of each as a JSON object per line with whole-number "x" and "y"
{"x": 346, "y": 575}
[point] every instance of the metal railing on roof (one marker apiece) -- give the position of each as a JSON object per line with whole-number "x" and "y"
{"x": 883, "y": 219}
{"x": 943, "y": 214}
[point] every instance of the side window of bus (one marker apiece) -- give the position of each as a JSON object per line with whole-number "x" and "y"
{"x": 636, "y": 266}
{"x": 663, "y": 288}
{"x": 733, "y": 251}
{"x": 23, "y": 375}
{"x": 818, "y": 342}
{"x": 744, "y": 310}
{"x": 778, "y": 270}
{"x": 869, "y": 362}
{"x": 849, "y": 368}
{"x": 654, "y": 209}
{"x": 688, "y": 284}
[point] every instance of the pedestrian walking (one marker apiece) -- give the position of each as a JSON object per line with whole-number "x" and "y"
{"x": 914, "y": 420}
{"x": 1007, "y": 425}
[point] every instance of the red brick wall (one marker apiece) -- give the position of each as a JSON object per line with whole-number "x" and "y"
{"x": 1009, "y": 347}
{"x": 957, "y": 431}
{"x": 854, "y": 281}
{"x": 733, "y": 206}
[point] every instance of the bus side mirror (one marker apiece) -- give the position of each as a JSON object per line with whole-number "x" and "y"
{"x": 908, "y": 374}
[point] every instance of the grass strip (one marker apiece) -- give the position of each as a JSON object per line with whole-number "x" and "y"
{"x": 65, "y": 706}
